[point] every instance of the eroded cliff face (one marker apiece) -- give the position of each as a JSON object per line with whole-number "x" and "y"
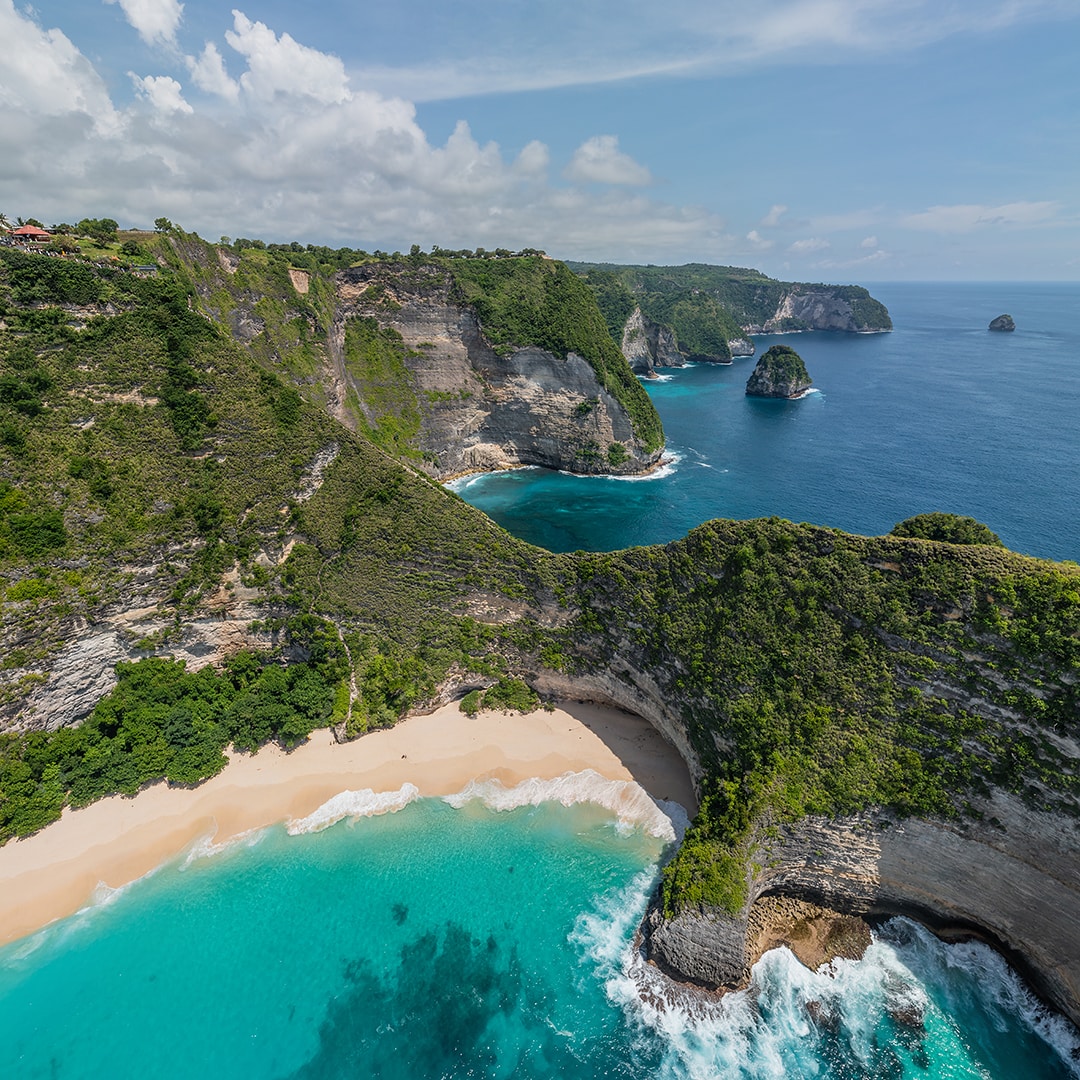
{"x": 647, "y": 345}
{"x": 478, "y": 408}
{"x": 1012, "y": 877}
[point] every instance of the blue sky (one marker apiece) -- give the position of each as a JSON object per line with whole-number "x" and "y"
{"x": 835, "y": 140}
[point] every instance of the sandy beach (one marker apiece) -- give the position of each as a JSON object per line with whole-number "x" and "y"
{"x": 117, "y": 840}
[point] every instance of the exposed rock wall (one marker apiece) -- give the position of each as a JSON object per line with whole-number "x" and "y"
{"x": 648, "y": 345}
{"x": 481, "y": 409}
{"x": 1013, "y": 877}
{"x": 811, "y": 309}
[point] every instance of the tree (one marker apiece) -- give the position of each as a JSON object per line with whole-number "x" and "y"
{"x": 103, "y": 230}
{"x": 163, "y": 225}
{"x": 950, "y": 528}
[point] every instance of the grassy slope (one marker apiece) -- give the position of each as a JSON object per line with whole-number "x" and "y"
{"x": 157, "y": 456}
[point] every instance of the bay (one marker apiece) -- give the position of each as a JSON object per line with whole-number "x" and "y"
{"x": 939, "y": 414}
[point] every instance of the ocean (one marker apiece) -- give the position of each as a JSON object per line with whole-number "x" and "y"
{"x": 455, "y": 939}
{"x": 939, "y": 414}
{"x": 493, "y": 937}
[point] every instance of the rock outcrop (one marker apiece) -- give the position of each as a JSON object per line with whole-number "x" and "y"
{"x": 482, "y": 409}
{"x": 1012, "y": 877}
{"x": 780, "y": 373}
{"x": 647, "y": 345}
{"x": 1002, "y": 322}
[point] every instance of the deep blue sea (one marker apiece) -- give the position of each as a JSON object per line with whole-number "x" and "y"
{"x": 939, "y": 414}
{"x": 463, "y": 941}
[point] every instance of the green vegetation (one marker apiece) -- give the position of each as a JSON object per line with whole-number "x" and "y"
{"x": 536, "y": 301}
{"x": 375, "y": 358}
{"x": 950, "y": 528}
{"x": 161, "y": 722}
{"x": 781, "y": 368}
{"x": 824, "y": 673}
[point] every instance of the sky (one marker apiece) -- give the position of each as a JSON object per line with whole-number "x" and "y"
{"x": 820, "y": 140}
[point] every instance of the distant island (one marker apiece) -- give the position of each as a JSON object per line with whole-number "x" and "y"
{"x": 1002, "y": 322}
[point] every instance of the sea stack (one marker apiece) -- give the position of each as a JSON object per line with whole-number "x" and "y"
{"x": 1003, "y": 322}
{"x": 780, "y": 373}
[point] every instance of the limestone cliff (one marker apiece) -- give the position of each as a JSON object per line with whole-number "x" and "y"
{"x": 808, "y": 307}
{"x": 1012, "y": 877}
{"x": 474, "y": 407}
{"x": 647, "y": 345}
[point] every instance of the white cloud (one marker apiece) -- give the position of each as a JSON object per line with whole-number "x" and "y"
{"x": 970, "y": 216}
{"x": 533, "y": 159}
{"x": 281, "y": 65}
{"x": 155, "y": 20}
{"x": 162, "y": 92}
{"x": 42, "y": 74}
{"x": 808, "y": 246}
{"x": 869, "y": 242}
{"x": 713, "y": 37}
{"x": 600, "y": 160}
{"x": 209, "y": 74}
{"x": 846, "y": 264}
{"x": 772, "y": 218}
{"x": 758, "y": 242}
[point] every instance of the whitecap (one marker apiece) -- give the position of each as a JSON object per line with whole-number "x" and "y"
{"x": 627, "y": 800}
{"x": 354, "y": 805}
{"x": 669, "y": 465}
{"x": 206, "y": 848}
{"x": 461, "y": 483}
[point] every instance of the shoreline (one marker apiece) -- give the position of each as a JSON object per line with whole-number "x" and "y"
{"x": 118, "y": 839}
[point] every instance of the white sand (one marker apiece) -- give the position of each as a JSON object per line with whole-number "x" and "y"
{"x": 116, "y": 840}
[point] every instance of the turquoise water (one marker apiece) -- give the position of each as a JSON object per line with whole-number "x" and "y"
{"x": 461, "y": 942}
{"x": 940, "y": 414}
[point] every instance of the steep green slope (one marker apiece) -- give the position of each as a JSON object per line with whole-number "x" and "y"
{"x": 818, "y": 672}
{"x": 149, "y": 463}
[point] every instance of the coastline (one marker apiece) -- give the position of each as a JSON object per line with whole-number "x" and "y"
{"x": 117, "y": 840}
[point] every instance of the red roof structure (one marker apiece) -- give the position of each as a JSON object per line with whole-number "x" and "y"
{"x": 31, "y": 232}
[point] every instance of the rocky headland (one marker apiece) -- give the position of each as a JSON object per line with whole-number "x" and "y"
{"x": 663, "y": 316}
{"x": 780, "y": 373}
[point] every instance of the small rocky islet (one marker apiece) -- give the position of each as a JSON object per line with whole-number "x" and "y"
{"x": 780, "y": 373}
{"x": 1002, "y": 323}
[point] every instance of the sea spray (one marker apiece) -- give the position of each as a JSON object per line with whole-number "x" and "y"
{"x": 913, "y": 1006}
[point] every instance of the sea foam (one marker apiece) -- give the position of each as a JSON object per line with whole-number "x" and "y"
{"x": 628, "y": 801}
{"x": 354, "y": 805}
